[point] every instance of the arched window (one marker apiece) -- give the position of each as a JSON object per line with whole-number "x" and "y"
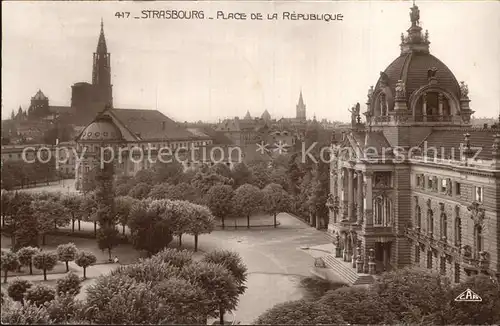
{"x": 478, "y": 238}
{"x": 430, "y": 222}
{"x": 382, "y": 211}
{"x": 379, "y": 211}
{"x": 458, "y": 229}
{"x": 418, "y": 218}
{"x": 444, "y": 227}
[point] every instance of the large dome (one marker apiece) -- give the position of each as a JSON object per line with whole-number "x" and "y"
{"x": 102, "y": 129}
{"x": 413, "y": 67}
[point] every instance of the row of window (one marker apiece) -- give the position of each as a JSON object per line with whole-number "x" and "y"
{"x": 444, "y": 186}
{"x": 442, "y": 263}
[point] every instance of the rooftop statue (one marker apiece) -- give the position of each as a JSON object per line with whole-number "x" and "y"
{"x": 464, "y": 89}
{"x": 414, "y": 15}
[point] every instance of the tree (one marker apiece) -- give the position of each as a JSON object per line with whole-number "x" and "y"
{"x": 204, "y": 181}
{"x": 123, "y": 189}
{"x": 9, "y": 262}
{"x": 261, "y": 174}
{"x": 18, "y": 288}
{"x": 187, "y": 303}
{"x": 412, "y": 294}
{"x": 123, "y": 206}
{"x": 145, "y": 176}
{"x": 176, "y": 213}
{"x": 40, "y": 294}
{"x": 140, "y": 191}
{"x": 294, "y": 175}
{"x": 279, "y": 176}
{"x": 85, "y": 259}
{"x": 276, "y": 200}
{"x": 185, "y": 191}
{"x": 247, "y": 200}
{"x": 66, "y": 253}
{"x": 48, "y": 214}
{"x": 221, "y": 169}
{"x": 21, "y": 224}
{"x": 46, "y": 261}
{"x": 201, "y": 221}
{"x": 88, "y": 207}
{"x": 301, "y": 312}
{"x": 358, "y": 306}
{"x": 174, "y": 257}
{"x": 486, "y": 312}
{"x": 233, "y": 263}
{"x": 69, "y": 284}
{"x": 148, "y": 230}
{"x": 25, "y": 255}
{"x": 321, "y": 181}
{"x": 219, "y": 285}
{"x": 72, "y": 203}
{"x": 241, "y": 174}
{"x": 152, "y": 270}
{"x": 168, "y": 172}
{"x": 161, "y": 191}
{"x": 219, "y": 200}
{"x": 107, "y": 238}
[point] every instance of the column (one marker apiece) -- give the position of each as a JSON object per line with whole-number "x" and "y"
{"x": 424, "y": 107}
{"x": 350, "y": 195}
{"x": 440, "y": 104}
{"x": 368, "y": 199}
{"x": 360, "y": 197}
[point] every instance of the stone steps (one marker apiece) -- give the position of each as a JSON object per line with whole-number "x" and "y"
{"x": 346, "y": 271}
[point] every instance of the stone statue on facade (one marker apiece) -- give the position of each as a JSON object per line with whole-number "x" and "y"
{"x": 464, "y": 90}
{"x": 400, "y": 89}
{"x": 384, "y": 79}
{"x": 370, "y": 94}
{"x": 431, "y": 73}
{"x": 355, "y": 113}
{"x": 477, "y": 213}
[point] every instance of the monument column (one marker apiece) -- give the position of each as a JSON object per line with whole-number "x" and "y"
{"x": 360, "y": 197}
{"x": 368, "y": 199}
{"x": 350, "y": 195}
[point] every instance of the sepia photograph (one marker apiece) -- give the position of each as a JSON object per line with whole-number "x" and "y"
{"x": 250, "y": 162}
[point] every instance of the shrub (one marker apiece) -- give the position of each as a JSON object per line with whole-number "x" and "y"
{"x": 301, "y": 312}
{"x": 18, "y": 288}
{"x": 174, "y": 257}
{"x": 70, "y": 284}
{"x": 27, "y": 314}
{"x": 64, "y": 309}
{"x": 39, "y": 294}
{"x": 148, "y": 270}
{"x": 315, "y": 287}
{"x": 233, "y": 263}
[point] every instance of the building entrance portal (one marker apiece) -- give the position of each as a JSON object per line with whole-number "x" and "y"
{"x": 383, "y": 256}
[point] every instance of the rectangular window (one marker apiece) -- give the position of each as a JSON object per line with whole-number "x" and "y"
{"x": 443, "y": 185}
{"x": 429, "y": 183}
{"x": 478, "y": 194}
{"x": 458, "y": 188}
{"x": 429, "y": 259}
{"x": 417, "y": 254}
{"x": 442, "y": 266}
{"x": 457, "y": 273}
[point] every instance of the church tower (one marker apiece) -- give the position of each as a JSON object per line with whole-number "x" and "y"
{"x": 301, "y": 109}
{"x": 101, "y": 73}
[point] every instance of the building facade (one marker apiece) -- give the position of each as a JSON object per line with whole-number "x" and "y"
{"x": 416, "y": 185}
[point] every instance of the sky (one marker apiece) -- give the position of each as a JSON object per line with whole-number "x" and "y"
{"x": 213, "y": 69}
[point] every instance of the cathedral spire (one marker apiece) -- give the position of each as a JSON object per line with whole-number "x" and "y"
{"x": 101, "y": 44}
{"x": 301, "y": 108}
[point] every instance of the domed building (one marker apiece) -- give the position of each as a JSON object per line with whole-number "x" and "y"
{"x": 415, "y": 184}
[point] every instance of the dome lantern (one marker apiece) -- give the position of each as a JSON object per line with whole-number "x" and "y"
{"x": 415, "y": 41}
